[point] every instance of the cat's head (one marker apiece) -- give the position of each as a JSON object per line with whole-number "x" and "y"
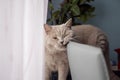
{"x": 58, "y": 36}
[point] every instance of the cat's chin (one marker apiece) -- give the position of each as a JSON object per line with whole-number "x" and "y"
{"x": 60, "y": 48}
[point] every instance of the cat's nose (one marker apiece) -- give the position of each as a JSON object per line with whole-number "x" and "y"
{"x": 61, "y": 41}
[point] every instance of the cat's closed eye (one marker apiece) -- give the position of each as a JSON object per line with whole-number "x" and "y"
{"x": 54, "y": 37}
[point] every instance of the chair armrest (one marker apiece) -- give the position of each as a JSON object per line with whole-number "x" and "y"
{"x": 86, "y": 62}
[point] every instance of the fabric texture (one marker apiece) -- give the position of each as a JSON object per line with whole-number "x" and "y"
{"x": 22, "y": 39}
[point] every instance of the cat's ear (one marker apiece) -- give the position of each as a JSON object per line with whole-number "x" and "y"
{"x": 69, "y": 23}
{"x": 47, "y": 28}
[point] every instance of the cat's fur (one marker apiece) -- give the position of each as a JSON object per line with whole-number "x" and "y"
{"x": 57, "y": 38}
{"x": 56, "y": 54}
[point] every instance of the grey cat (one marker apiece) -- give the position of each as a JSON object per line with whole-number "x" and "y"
{"x": 56, "y": 40}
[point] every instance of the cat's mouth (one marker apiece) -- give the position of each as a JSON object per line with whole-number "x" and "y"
{"x": 64, "y": 44}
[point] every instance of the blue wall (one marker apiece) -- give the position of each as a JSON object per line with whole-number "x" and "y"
{"x": 108, "y": 19}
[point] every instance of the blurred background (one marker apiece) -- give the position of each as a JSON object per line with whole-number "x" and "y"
{"x": 105, "y": 14}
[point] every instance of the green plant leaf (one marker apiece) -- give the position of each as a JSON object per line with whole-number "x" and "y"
{"x": 83, "y": 18}
{"x": 66, "y": 7}
{"x": 56, "y": 14}
{"x": 75, "y": 1}
{"x": 82, "y": 1}
{"x": 51, "y": 7}
{"x": 50, "y": 20}
{"x": 75, "y": 10}
{"x": 91, "y": 9}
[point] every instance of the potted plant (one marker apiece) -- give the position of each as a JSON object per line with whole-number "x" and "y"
{"x": 78, "y": 10}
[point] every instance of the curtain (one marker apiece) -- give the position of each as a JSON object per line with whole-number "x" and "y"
{"x": 22, "y": 39}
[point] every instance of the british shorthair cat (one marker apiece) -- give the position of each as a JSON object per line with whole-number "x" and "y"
{"x": 56, "y": 40}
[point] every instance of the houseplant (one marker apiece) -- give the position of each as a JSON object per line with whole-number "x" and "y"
{"x": 78, "y": 10}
